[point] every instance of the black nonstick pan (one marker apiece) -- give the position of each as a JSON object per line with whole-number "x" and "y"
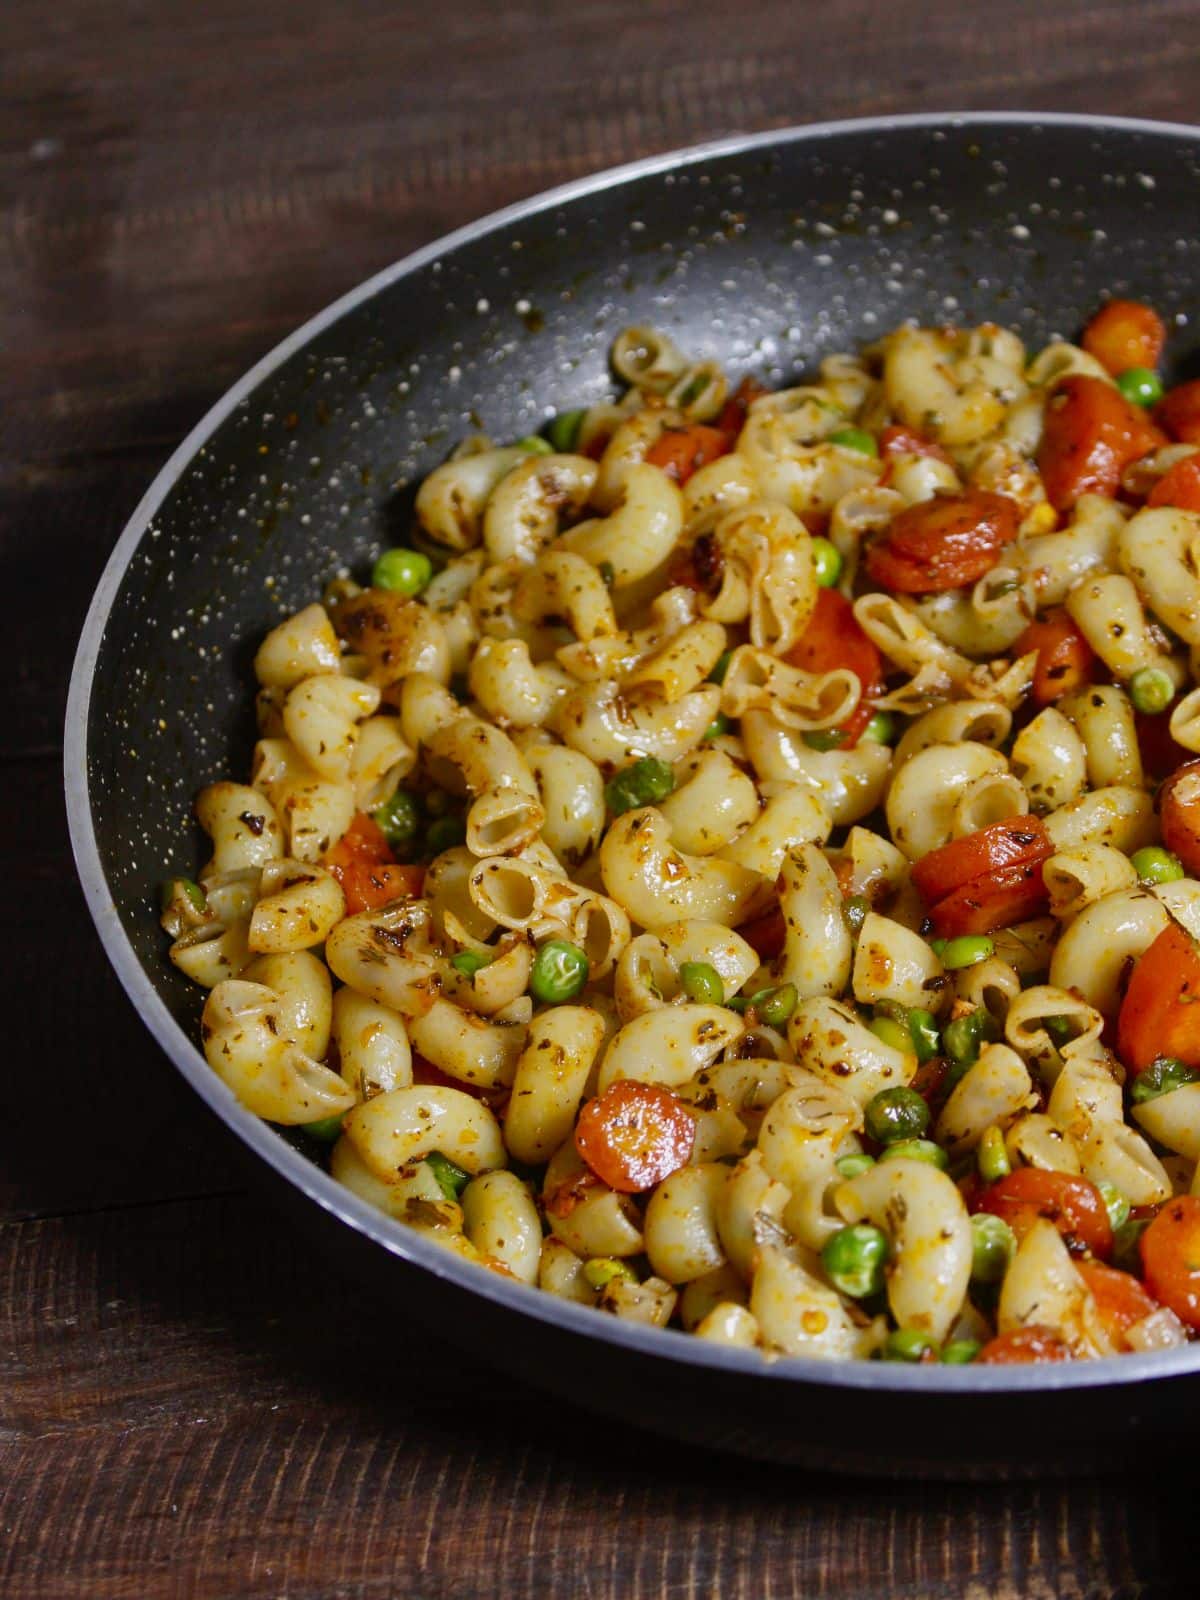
{"x": 766, "y": 253}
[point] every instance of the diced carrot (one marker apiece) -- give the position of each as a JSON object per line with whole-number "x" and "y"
{"x": 1091, "y": 434}
{"x": 1179, "y": 813}
{"x": 681, "y": 451}
{"x": 1120, "y": 1299}
{"x": 1179, "y": 412}
{"x": 1065, "y": 659}
{"x": 363, "y": 840}
{"x": 1160, "y": 1014}
{"x": 1170, "y": 1249}
{"x": 1032, "y": 1343}
{"x": 943, "y": 543}
{"x": 1124, "y": 334}
{"x": 363, "y": 863}
{"x": 1179, "y": 486}
{"x": 634, "y": 1135}
{"x": 368, "y": 887}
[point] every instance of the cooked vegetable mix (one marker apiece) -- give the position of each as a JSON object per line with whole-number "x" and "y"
{"x": 737, "y": 864}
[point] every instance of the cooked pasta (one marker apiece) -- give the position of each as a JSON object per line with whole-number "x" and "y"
{"x": 740, "y": 868}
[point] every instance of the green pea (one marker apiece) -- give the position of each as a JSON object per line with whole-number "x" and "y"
{"x": 853, "y": 1166}
{"x": 721, "y": 667}
{"x": 1153, "y": 864}
{"x": 1115, "y": 1203}
{"x": 1126, "y": 1245}
{"x": 645, "y": 783}
{"x": 967, "y": 951}
{"x": 1151, "y": 690}
{"x": 854, "y": 1259}
{"x": 608, "y": 573}
{"x": 892, "y": 1033}
{"x": 407, "y": 571}
{"x": 469, "y": 962}
{"x": 993, "y": 1245}
{"x": 854, "y": 913}
{"x": 855, "y": 439}
{"x": 777, "y": 1005}
{"x": 964, "y": 1037}
{"x": 701, "y": 982}
{"x": 444, "y": 833}
{"x": 923, "y": 1030}
{"x": 992, "y": 1155}
{"x": 600, "y": 1271}
{"x": 1162, "y": 1075}
{"x": 325, "y": 1129}
{"x": 827, "y": 562}
{"x": 564, "y": 429}
{"x": 718, "y": 727}
{"x": 825, "y": 739}
{"x": 560, "y": 970}
{"x": 938, "y": 946}
{"x": 881, "y": 729}
{"x": 960, "y": 1352}
{"x": 898, "y": 1113}
{"x": 909, "y": 1344}
{"x": 452, "y": 1179}
{"x": 1140, "y": 385}
{"x": 916, "y": 1150}
{"x": 399, "y": 819}
{"x": 535, "y": 445}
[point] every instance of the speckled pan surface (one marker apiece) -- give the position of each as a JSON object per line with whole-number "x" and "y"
{"x": 767, "y": 254}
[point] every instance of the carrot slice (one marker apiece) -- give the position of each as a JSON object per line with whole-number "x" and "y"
{"x": 1004, "y": 898}
{"x": 1091, "y": 434}
{"x": 1120, "y": 1299}
{"x": 1170, "y": 1250}
{"x": 834, "y": 639}
{"x": 681, "y": 451}
{"x": 943, "y": 543}
{"x": 1124, "y": 334}
{"x": 1017, "y": 841}
{"x": 1075, "y": 1206}
{"x": 1160, "y": 1014}
{"x": 634, "y": 1135}
{"x": 1028, "y": 1344}
{"x": 1065, "y": 660}
{"x": 1179, "y": 412}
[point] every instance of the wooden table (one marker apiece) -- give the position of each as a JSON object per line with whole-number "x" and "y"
{"x": 188, "y": 1404}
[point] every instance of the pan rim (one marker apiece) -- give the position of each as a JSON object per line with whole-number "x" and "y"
{"x": 292, "y": 1165}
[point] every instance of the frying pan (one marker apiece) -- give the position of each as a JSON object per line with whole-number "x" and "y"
{"x": 767, "y": 253}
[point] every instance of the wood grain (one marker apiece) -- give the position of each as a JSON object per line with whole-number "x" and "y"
{"x": 188, "y": 1405}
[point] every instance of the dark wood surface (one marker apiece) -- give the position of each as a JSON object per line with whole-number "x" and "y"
{"x": 188, "y": 1405}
